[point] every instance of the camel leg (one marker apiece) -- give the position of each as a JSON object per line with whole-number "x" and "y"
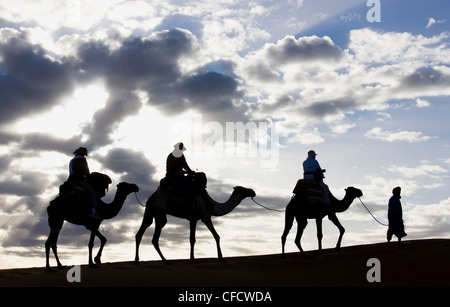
{"x": 334, "y": 219}
{"x": 288, "y": 222}
{"x": 301, "y": 225}
{"x": 103, "y": 240}
{"x": 216, "y": 236}
{"x": 55, "y": 228}
{"x": 193, "y": 226}
{"x": 319, "y": 233}
{"x": 90, "y": 247}
{"x": 51, "y": 243}
{"x": 155, "y": 241}
{"x": 146, "y": 222}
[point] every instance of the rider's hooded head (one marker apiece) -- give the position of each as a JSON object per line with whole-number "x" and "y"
{"x": 178, "y": 149}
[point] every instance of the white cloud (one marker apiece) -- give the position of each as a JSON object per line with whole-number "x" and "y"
{"x": 341, "y": 128}
{"x": 422, "y": 103}
{"x": 432, "y": 21}
{"x": 389, "y": 48}
{"x": 377, "y": 133}
{"x": 423, "y": 170}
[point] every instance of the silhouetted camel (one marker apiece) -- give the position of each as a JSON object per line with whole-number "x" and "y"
{"x": 300, "y": 208}
{"x": 163, "y": 202}
{"x": 75, "y": 209}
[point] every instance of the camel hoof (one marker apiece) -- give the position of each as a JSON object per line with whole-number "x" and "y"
{"x": 97, "y": 260}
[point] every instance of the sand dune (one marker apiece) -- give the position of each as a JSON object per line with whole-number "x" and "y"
{"x": 418, "y": 263}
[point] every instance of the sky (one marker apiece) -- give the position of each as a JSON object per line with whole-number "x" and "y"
{"x": 249, "y": 87}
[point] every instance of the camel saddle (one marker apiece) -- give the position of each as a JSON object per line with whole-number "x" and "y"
{"x": 197, "y": 183}
{"x": 312, "y": 189}
{"x": 100, "y": 182}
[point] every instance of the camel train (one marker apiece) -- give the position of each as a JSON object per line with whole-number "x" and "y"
{"x": 186, "y": 198}
{"x": 73, "y": 207}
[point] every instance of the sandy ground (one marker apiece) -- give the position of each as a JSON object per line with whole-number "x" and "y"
{"x": 423, "y": 263}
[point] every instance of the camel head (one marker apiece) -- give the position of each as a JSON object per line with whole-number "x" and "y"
{"x": 354, "y": 192}
{"x": 128, "y": 187}
{"x": 244, "y": 192}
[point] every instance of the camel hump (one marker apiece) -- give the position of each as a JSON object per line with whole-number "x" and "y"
{"x": 299, "y": 187}
{"x": 99, "y": 180}
{"x": 199, "y": 181}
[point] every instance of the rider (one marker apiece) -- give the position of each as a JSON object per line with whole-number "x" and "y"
{"x": 78, "y": 172}
{"x": 313, "y": 172}
{"x": 175, "y": 164}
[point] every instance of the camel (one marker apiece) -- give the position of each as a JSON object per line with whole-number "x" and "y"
{"x": 75, "y": 208}
{"x": 163, "y": 202}
{"x": 300, "y": 208}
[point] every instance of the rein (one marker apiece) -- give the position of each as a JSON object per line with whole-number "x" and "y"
{"x": 371, "y": 212}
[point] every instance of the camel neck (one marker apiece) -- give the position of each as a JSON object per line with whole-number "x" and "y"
{"x": 220, "y": 209}
{"x": 109, "y": 211}
{"x": 344, "y": 204}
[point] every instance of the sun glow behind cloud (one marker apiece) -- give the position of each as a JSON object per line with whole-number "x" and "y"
{"x": 69, "y": 117}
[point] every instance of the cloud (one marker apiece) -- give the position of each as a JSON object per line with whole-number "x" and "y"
{"x": 422, "y": 103}
{"x": 427, "y": 79}
{"x": 310, "y": 48}
{"x": 423, "y": 170}
{"x": 377, "y": 133}
{"x": 132, "y": 166}
{"x": 30, "y": 80}
{"x": 432, "y": 21}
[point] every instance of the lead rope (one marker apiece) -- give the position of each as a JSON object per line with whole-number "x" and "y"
{"x": 267, "y": 207}
{"x": 371, "y": 212}
{"x": 135, "y": 194}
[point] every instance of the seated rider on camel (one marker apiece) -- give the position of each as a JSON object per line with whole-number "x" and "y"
{"x": 176, "y": 165}
{"x": 312, "y": 172}
{"x": 78, "y": 173}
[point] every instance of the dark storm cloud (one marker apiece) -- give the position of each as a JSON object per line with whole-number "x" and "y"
{"x": 24, "y": 183}
{"x": 138, "y": 62}
{"x": 426, "y": 78}
{"x": 30, "y": 81}
{"x": 133, "y": 166}
{"x": 44, "y": 142}
{"x": 324, "y": 108}
{"x": 303, "y": 49}
{"x": 214, "y": 93}
{"x": 149, "y": 65}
